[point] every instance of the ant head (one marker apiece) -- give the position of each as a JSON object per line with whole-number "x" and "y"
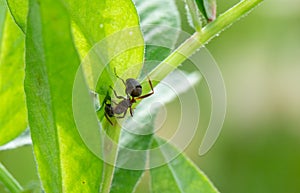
{"x": 137, "y": 91}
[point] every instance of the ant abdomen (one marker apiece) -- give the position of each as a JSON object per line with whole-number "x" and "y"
{"x": 133, "y": 87}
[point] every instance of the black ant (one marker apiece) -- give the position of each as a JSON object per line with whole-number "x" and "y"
{"x": 133, "y": 90}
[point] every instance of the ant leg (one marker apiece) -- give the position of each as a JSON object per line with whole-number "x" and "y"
{"x": 119, "y": 97}
{"x": 119, "y": 77}
{"x": 149, "y": 94}
{"x": 120, "y": 117}
{"x": 131, "y": 112}
{"x": 108, "y": 119}
{"x": 114, "y": 102}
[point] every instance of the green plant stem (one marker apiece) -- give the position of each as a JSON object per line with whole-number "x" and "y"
{"x": 9, "y": 181}
{"x": 198, "y": 39}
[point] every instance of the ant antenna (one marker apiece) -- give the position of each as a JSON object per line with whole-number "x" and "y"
{"x": 118, "y": 76}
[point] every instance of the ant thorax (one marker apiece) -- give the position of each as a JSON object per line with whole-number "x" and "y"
{"x": 122, "y": 106}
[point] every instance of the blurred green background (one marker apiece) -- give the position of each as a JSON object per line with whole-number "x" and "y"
{"x": 258, "y": 150}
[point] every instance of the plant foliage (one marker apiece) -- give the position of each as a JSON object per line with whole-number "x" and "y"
{"x": 43, "y": 44}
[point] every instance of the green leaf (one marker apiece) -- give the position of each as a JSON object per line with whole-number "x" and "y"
{"x": 64, "y": 162}
{"x": 94, "y": 27}
{"x": 211, "y": 9}
{"x": 201, "y": 7}
{"x": 19, "y": 10}
{"x": 106, "y": 28}
{"x": 13, "y": 115}
{"x": 2, "y": 19}
{"x": 8, "y": 180}
{"x": 125, "y": 180}
{"x": 195, "y": 17}
{"x": 102, "y": 19}
{"x": 178, "y": 175}
{"x": 137, "y": 132}
{"x": 158, "y": 18}
{"x": 208, "y": 8}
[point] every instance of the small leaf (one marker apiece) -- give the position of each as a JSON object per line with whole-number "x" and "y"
{"x": 195, "y": 17}
{"x": 64, "y": 162}
{"x": 211, "y": 9}
{"x": 178, "y": 175}
{"x": 13, "y": 115}
{"x": 159, "y": 21}
{"x": 208, "y": 8}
